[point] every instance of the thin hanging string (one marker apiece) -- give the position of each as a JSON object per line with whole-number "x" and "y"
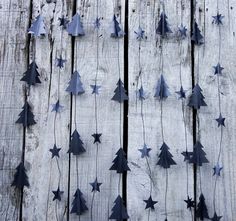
{"x": 219, "y": 103}
{"x": 183, "y": 110}
{"x": 118, "y": 60}
{"x": 142, "y": 113}
{"x": 161, "y": 104}
{"x": 95, "y": 107}
{"x": 166, "y": 193}
{"x": 55, "y": 117}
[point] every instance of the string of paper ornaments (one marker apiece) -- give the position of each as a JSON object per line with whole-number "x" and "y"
{"x": 120, "y": 164}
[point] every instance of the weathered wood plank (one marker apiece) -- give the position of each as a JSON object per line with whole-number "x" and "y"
{"x": 108, "y": 111}
{"x": 138, "y": 180}
{"x": 209, "y": 132}
{"x": 14, "y": 18}
{"x": 43, "y": 171}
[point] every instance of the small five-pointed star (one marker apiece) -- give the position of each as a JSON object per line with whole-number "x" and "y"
{"x": 57, "y": 107}
{"x": 145, "y": 151}
{"x": 97, "y": 23}
{"x": 217, "y": 19}
{"x": 96, "y": 137}
{"x": 63, "y": 21}
{"x": 182, "y": 31}
{"x": 150, "y": 203}
{"x": 57, "y": 194}
{"x": 190, "y": 203}
{"x": 221, "y": 121}
{"x": 96, "y": 185}
{"x": 218, "y": 69}
{"x": 140, "y": 33}
{"x": 217, "y": 169}
{"x": 187, "y": 155}
{"x": 95, "y": 88}
{"x": 181, "y": 93}
{"x": 60, "y": 62}
{"x": 55, "y": 151}
{"x": 215, "y": 217}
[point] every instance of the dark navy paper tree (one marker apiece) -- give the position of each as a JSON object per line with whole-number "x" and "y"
{"x": 197, "y": 37}
{"x": 196, "y": 100}
{"x": 38, "y": 27}
{"x": 165, "y": 156}
{"x": 75, "y": 27}
{"x": 119, "y": 212}
{"x": 20, "y": 177}
{"x": 163, "y": 27}
{"x": 202, "y": 211}
{"x": 76, "y": 144}
{"x": 198, "y": 155}
{"x": 79, "y": 203}
{"x": 117, "y": 32}
{"x": 31, "y": 76}
{"x": 75, "y": 85}
{"x": 26, "y": 117}
{"x": 162, "y": 90}
{"x": 120, "y": 92}
{"x": 120, "y": 163}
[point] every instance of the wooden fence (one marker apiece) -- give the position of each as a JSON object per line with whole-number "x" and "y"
{"x": 180, "y": 124}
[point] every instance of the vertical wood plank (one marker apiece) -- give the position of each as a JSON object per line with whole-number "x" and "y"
{"x": 14, "y": 18}
{"x": 138, "y": 180}
{"x": 108, "y": 110}
{"x": 209, "y": 132}
{"x": 43, "y": 171}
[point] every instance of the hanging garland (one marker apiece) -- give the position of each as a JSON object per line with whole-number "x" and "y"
{"x": 120, "y": 164}
{"x": 196, "y": 100}
{"x": 162, "y": 92}
{"x": 220, "y": 120}
{"x": 182, "y": 34}
{"x": 75, "y": 87}
{"x": 95, "y": 90}
{"x": 57, "y": 108}
{"x": 26, "y": 117}
{"x": 141, "y": 95}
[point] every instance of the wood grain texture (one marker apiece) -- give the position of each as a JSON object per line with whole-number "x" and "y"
{"x": 138, "y": 180}
{"x": 209, "y": 133}
{"x": 43, "y": 172}
{"x": 108, "y": 111}
{"x": 14, "y": 18}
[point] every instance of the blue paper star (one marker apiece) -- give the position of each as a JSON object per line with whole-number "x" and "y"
{"x": 215, "y": 217}
{"x": 217, "y": 169}
{"x": 190, "y": 203}
{"x": 150, "y": 203}
{"x": 221, "y": 121}
{"x": 63, "y": 21}
{"x": 57, "y": 194}
{"x": 218, "y": 69}
{"x": 95, "y": 88}
{"x": 60, "y": 62}
{"x": 217, "y": 19}
{"x": 97, "y": 23}
{"x": 95, "y": 185}
{"x": 140, "y": 33}
{"x": 55, "y": 151}
{"x": 181, "y": 93}
{"x": 145, "y": 151}
{"x": 182, "y": 31}
{"x": 96, "y": 138}
{"x": 57, "y": 107}
{"x": 187, "y": 155}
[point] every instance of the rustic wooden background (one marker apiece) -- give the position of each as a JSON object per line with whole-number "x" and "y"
{"x": 16, "y": 53}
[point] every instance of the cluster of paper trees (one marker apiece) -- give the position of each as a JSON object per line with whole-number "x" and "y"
{"x": 75, "y": 87}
